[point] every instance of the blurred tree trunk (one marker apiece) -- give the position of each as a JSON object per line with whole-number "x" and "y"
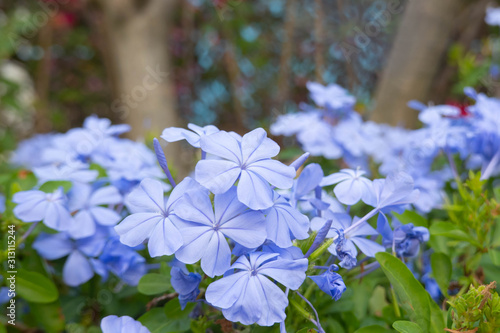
{"x": 418, "y": 49}
{"x": 473, "y": 14}
{"x": 138, "y": 33}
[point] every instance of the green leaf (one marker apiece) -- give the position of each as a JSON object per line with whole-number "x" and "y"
{"x": 372, "y": 329}
{"x": 332, "y": 325}
{"x": 450, "y": 230}
{"x": 48, "y": 316}
{"x": 34, "y": 287}
{"x": 27, "y": 180}
{"x": 153, "y": 284}
{"x": 495, "y": 257}
{"x": 15, "y": 187}
{"x": 267, "y": 329}
{"x": 378, "y": 301}
{"x": 361, "y": 298}
{"x": 94, "y": 329}
{"x": 414, "y": 299}
{"x": 406, "y": 327}
{"x": 173, "y": 309}
{"x": 3, "y": 329}
{"x": 179, "y": 318}
{"x": 449, "y": 317}
{"x": 53, "y": 185}
{"x": 412, "y": 217}
{"x": 101, "y": 171}
{"x": 165, "y": 269}
{"x": 439, "y": 244}
{"x": 441, "y": 270}
{"x": 437, "y": 317}
{"x": 157, "y": 320}
{"x": 200, "y": 325}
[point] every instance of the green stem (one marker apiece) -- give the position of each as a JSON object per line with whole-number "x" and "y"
{"x": 321, "y": 249}
{"x": 26, "y": 234}
{"x": 395, "y": 303}
{"x": 301, "y": 310}
{"x": 309, "y": 290}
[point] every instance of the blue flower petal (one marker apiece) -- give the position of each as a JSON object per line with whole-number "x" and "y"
{"x": 77, "y": 269}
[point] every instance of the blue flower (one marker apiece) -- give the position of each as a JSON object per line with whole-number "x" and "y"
{"x": 29, "y": 152}
{"x": 308, "y": 180}
{"x": 127, "y": 162}
{"x": 293, "y": 123}
{"x": 185, "y": 284}
{"x": 4, "y": 292}
{"x": 330, "y": 282}
{"x": 34, "y": 206}
{"x": 431, "y": 191}
{"x": 77, "y": 172}
{"x": 122, "y": 261}
{"x": 334, "y": 131}
{"x": 154, "y": 217}
{"x": 284, "y": 221}
{"x": 355, "y": 138}
{"x": 407, "y": 238}
{"x": 125, "y": 324}
{"x": 2, "y": 203}
{"x": 432, "y": 115}
{"x": 432, "y": 287}
{"x": 352, "y": 186}
{"x": 430, "y": 283}
{"x": 102, "y": 127}
{"x": 249, "y": 296}
{"x": 77, "y": 268}
{"x": 311, "y": 203}
{"x": 332, "y": 96}
{"x": 204, "y": 229}
{"x": 82, "y": 144}
{"x": 318, "y": 138}
{"x": 89, "y": 203}
{"x": 485, "y": 141}
{"x": 172, "y": 134}
{"x": 291, "y": 252}
{"x": 391, "y": 194}
{"x": 4, "y": 295}
{"x": 492, "y": 16}
{"x": 348, "y": 238}
{"x": 248, "y": 160}
{"x": 345, "y": 250}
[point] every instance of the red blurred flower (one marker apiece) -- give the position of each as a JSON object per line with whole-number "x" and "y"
{"x": 64, "y": 20}
{"x": 64, "y": 14}
{"x": 464, "y": 112}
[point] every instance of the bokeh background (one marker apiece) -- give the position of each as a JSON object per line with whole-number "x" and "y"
{"x": 237, "y": 64}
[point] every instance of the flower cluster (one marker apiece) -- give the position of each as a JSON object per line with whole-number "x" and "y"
{"x": 240, "y": 218}
{"x": 83, "y": 177}
{"x": 72, "y": 156}
{"x": 243, "y": 220}
{"x": 334, "y": 130}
